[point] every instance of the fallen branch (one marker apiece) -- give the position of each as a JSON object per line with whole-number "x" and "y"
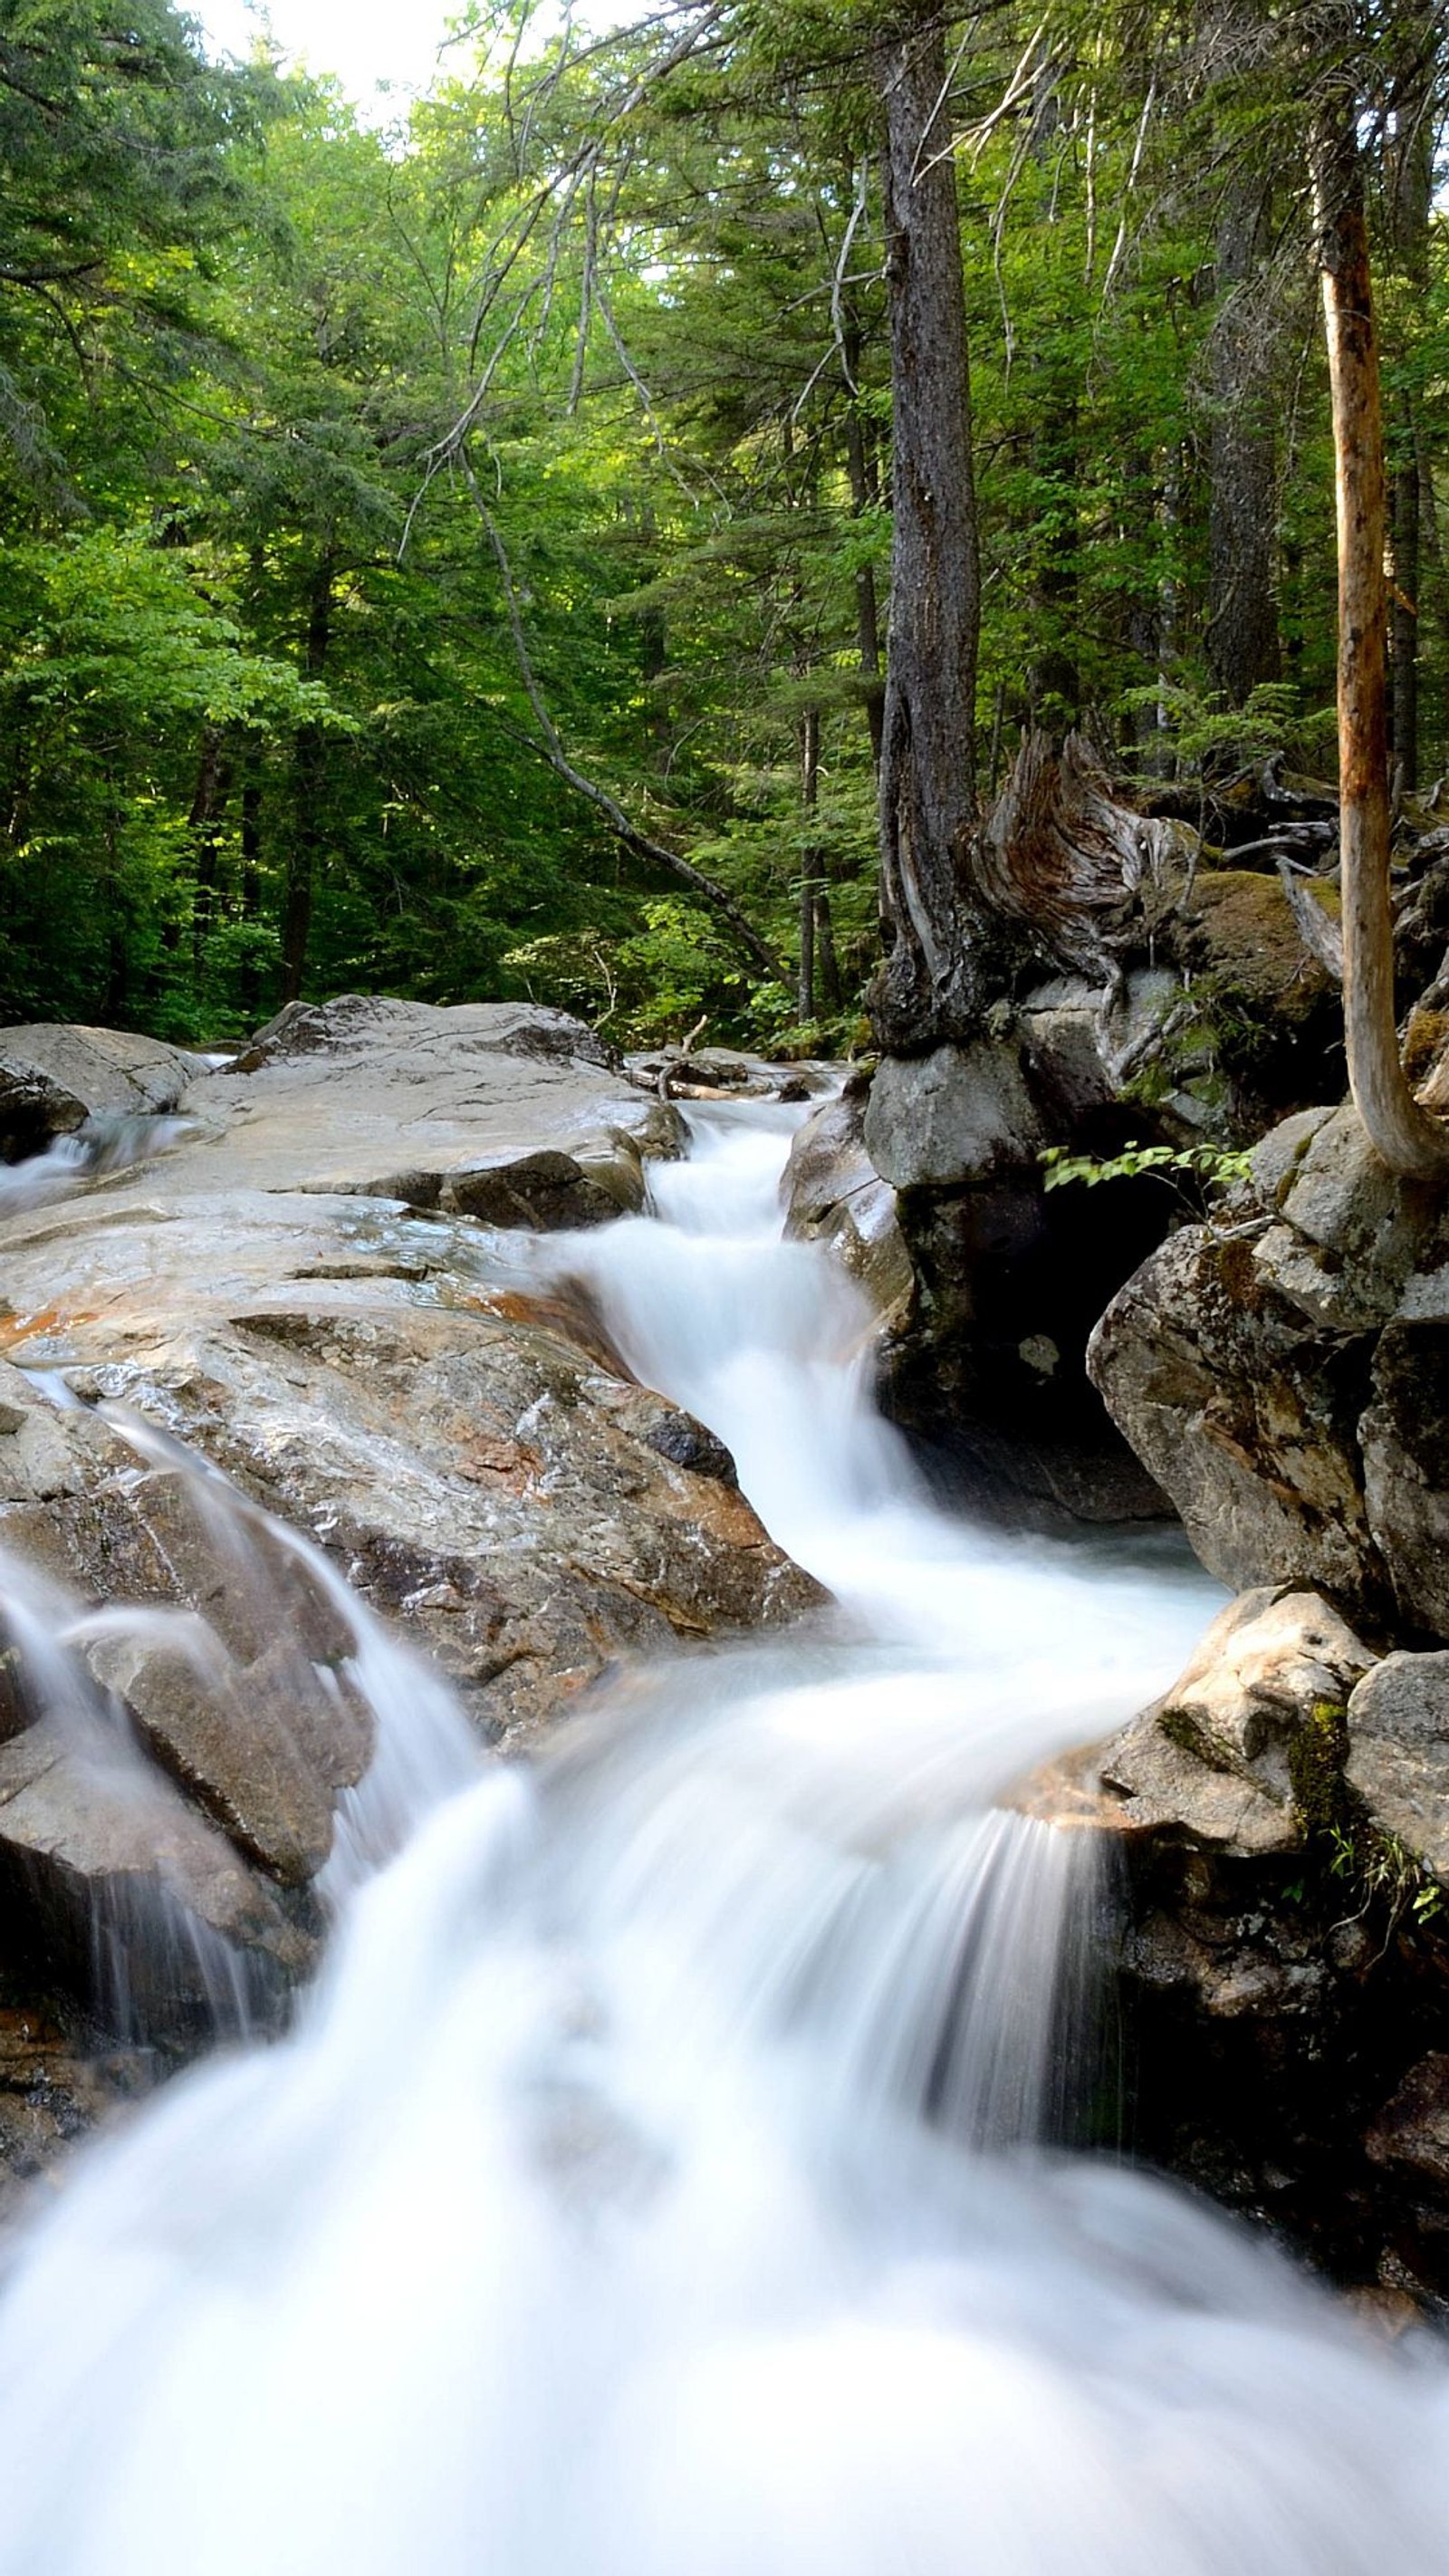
{"x": 1319, "y": 932}
{"x": 672, "y": 1063}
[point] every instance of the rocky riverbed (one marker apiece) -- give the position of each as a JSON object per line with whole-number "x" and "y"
{"x": 323, "y": 1287}
{"x": 327, "y": 1285}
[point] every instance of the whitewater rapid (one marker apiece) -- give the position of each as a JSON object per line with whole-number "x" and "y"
{"x": 658, "y": 2181}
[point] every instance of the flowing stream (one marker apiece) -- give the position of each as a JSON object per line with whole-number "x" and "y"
{"x": 660, "y": 2180}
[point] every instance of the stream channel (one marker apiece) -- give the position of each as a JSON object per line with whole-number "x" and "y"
{"x": 665, "y": 2177}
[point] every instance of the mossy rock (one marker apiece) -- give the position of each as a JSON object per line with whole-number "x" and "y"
{"x": 1240, "y": 931}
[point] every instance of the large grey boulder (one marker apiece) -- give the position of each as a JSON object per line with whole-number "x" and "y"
{"x": 452, "y": 1429}
{"x": 53, "y": 1077}
{"x": 958, "y": 1116}
{"x": 511, "y": 1113}
{"x": 1286, "y": 1377}
{"x": 1245, "y": 1415}
{"x": 371, "y": 1025}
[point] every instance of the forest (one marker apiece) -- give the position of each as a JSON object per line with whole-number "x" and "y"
{"x": 453, "y": 558}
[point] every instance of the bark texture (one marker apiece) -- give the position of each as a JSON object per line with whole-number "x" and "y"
{"x": 931, "y": 985}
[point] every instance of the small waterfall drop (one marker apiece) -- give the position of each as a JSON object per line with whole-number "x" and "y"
{"x": 649, "y": 2186}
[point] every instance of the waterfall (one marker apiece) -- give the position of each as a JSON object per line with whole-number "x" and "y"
{"x": 657, "y": 2181}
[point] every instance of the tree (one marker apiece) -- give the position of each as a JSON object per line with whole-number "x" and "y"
{"x": 930, "y": 985}
{"x": 1408, "y": 1139}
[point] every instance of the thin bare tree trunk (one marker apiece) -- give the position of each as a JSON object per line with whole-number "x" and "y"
{"x": 1242, "y": 621}
{"x": 809, "y": 797}
{"x": 308, "y": 770}
{"x": 863, "y": 495}
{"x": 1407, "y": 1138}
{"x": 1409, "y": 169}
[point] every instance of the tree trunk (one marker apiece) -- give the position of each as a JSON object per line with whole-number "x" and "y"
{"x": 931, "y": 984}
{"x": 1408, "y": 1139}
{"x": 308, "y": 770}
{"x": 1242, "y": 620}
{"x": 204, "y": 823}
{"x": 249, "y": 987}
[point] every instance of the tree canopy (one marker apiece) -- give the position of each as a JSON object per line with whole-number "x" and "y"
{"x": 456, "y": 560}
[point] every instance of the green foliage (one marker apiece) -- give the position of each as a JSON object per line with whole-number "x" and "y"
{"x": 254, "y": 640}
{"x": 1216, "y": 1166}
{"x": 1381, "y": 1872}
{"x": 1207, "y": 735}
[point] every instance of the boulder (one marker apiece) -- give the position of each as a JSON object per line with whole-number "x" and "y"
{"x": 1286, "y": 1379}
{"x": 511, "y": 1113}
{"x": 370, "y": 1025}
{"x": 1274, "y": 1983}
{"x": 1237, "y": 927}
{"x": 1398, "y": 1755}
{"x": 834, "y": 1195}
{"x": 1074, "y": 1053}
{"x": 100, "y": 1854}
{"x": 1243, "y": 1754}
{"x": 1246, "y": 1415}
{"x": 263, "y": 1748}
{"x": 54, "y": 1077}
{"x": 960, "y": 1115}
{"x": 469, "y": 1450}
{"x": 549, "y": 1192}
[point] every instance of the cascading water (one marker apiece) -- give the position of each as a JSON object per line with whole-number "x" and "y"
{"x": 98, "y": 1147}
{"x": 648, "y": 2187}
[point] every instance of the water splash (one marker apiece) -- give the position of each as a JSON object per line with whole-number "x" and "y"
{"x": 100, "y": 1146}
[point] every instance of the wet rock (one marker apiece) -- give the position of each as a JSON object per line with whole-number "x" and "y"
{"x": 1167, "y": 1788}
{"x": 525, "y": 1511}
{"x": 475, "y": 1459}
{"x": 548, "y": 1192}
{"x": 1398, "y": 1754}
{"x": 367, "y": 1024}
{"x": 512, "y": 1112}
{"x": 54, "y": 2090}
{"x": 53, "y": 1077}
{"x": 264, "y": 1749}
{"x": 92, "y": 1841}
{"x": 1274, "y": 1671}
{"x": 1243, "y": 1754}
{"x": 437, "y": 1408}
{"x": 834, "y": 1195}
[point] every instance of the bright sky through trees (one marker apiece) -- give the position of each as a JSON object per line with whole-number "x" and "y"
{"x": 363, "y": 41}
